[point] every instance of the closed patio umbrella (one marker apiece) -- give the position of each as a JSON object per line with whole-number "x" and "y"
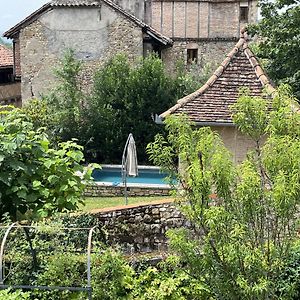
{"x": 129, "y": 162}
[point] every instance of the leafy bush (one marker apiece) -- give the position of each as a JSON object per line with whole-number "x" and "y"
{"x": 168, "y": 281}
{"x": 289, "y": 279}
{"x": 36, "y": 179}
{"x": 239, "y": 242}
{"x": 9, "y": 295}
{"x": 125, "y": 99}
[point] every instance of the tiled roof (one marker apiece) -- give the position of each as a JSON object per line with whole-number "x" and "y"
{"x": 6, "y": 57}
{"x": 75, "y": 3}
{"x": 92, "y": 3}
{"x": 211, "y": 103}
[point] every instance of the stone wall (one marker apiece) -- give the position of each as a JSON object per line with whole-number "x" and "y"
{"x": 108, "y": 191}
{"x": 141, "y": 228}
{"x": 10, "y": 94}
{"x": 94, "y": 36}
{"x": 210, "y": 52}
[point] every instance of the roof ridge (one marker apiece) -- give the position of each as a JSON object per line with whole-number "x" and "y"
{"x": 55, "y": 3}
{"x": 242, "y": 43}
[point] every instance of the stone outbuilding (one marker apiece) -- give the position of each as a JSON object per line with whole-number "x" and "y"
{"x": 10, "y": 90}
{"x": 210, "y": 105}
{"x": 95, "y": 30}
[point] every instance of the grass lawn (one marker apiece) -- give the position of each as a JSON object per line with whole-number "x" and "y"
{"x": 104, "y": 202}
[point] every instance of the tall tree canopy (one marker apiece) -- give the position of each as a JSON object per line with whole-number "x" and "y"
{"x": 280, "y": 43}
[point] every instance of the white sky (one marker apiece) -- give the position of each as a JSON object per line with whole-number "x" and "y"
{"x": 13, "y": 11}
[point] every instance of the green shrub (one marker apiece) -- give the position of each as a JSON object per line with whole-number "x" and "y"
{"x": 10, "y": 295}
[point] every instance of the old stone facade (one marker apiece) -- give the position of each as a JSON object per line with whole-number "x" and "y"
{"x": 194, "y": 31}
{"x": 202, "y": 31}
{"x": 45, "y": 40}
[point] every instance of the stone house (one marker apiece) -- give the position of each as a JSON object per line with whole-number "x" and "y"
{"x": 10, "y": 90}
{"x": 198, "y": 31}
{"x": 95, "y": 31}
{"x": 210, "y": 105}
{"x": 202, "y": 30}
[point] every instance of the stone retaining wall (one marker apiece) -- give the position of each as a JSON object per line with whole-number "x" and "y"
{"x": 141, "y": 228}
{"x": 107, "y": 191}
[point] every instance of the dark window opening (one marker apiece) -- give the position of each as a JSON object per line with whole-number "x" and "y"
{"x": 192, "y": 56}
{"x": 6, "y": 75}
{"x": 157, "y": 50}
{"x": 244, "y": 14}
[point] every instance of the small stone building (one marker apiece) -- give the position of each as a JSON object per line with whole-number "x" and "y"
{"x": 10, "y": 90}
{"x": 95, "y": 30}
{"x": 210, "y": 105}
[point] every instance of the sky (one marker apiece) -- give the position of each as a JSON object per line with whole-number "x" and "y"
{"x": 13, "y": 11}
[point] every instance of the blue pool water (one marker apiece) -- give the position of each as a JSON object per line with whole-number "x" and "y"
{"x": 113, "y": 175}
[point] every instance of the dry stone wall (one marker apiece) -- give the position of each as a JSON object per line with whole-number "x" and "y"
{"x": 108, "y": 191}
{"x": 141, "y": 228}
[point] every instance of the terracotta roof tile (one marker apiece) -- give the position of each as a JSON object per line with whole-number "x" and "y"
{"x": 6, "y": 57}
{"x": 211, "y": 103}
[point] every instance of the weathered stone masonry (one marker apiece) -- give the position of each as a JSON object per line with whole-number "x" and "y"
{"x": 94, "y": 40}
{"x": 141, "y": 228}
{"x": 110, "y": 190}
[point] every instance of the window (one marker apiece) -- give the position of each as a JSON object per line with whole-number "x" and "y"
{"x": 244, "y": 14}
{"x": 192, "y": 56}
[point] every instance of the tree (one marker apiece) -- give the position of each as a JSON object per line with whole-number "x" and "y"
{"x": 126, "y": 100}
{"x": 279, "y": 30}
{"x": 65, "y": 102}
{"x": 239, "y": 242}
{"x": 36, "y": 180}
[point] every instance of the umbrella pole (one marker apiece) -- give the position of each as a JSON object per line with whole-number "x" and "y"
{"x": 124, "y": 171}
{"x": 126, "y": 194}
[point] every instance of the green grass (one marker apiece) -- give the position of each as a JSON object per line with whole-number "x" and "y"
{"x": 104, "y": 202}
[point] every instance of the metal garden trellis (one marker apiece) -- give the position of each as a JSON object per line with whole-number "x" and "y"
{"x": 87, "y": 289}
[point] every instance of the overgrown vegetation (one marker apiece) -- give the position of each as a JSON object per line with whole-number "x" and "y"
{"x": 125, "y": 99}
{"x": 279, "y": 31}
{"x": 36, "y": 180}
{"x": 243, "y": 241}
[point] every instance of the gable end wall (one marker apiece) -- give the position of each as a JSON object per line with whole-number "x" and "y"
{"x": 94, "y": 35}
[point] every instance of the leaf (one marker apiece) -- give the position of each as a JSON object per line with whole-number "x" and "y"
{"x": 36, "y": 184}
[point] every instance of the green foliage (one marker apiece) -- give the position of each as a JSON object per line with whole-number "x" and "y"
{"x": 289, "y": 278}
{"x": 39, "y": 113}
{"x": 65, "y": 102}
{"x": 240, "y": 241}
{"x": 125, "y": 99}
{"x": 279, "y": 29}
{"x": 9, "y": 295}
{"x": 112, "y": 277}
{"x": 168, "y": 281}
{"x": 6, "y": 43}
{"x": 36, "y": 179}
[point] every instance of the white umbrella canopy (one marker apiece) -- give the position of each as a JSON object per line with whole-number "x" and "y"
{"x": 131, "y": 159}
{"x": 129, "y": 162}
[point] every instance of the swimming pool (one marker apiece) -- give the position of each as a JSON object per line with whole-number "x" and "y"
{"x": 148, "y": 176}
